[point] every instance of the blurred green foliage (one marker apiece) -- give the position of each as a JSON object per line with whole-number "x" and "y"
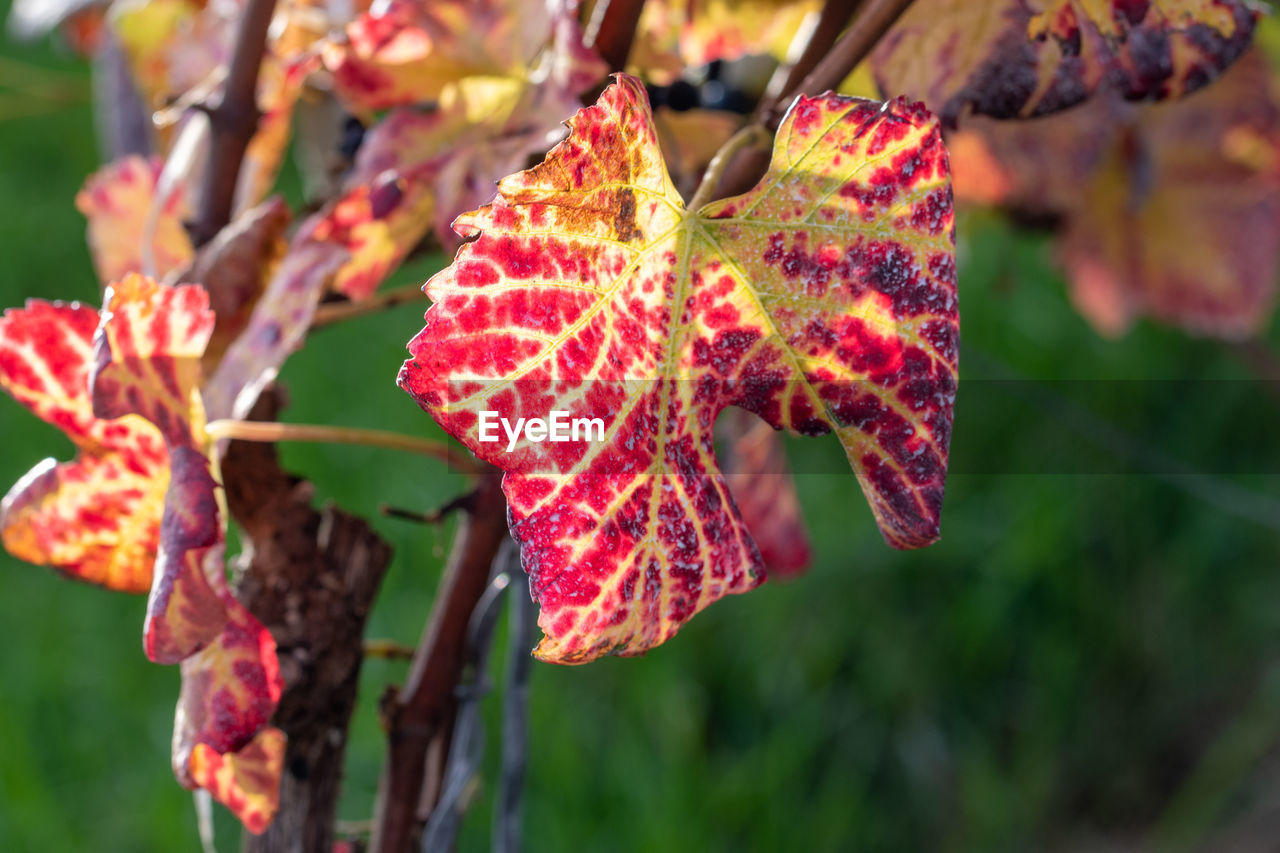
{"x": 1084, "y": 655}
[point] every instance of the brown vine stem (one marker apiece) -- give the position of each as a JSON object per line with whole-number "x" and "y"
{"x": 875, "y": 19}
{"x": 233, "y": 121}
{"x": 833, "y": 18}
{"x": 612, "y": 30}
{"x": 273, "y": 431}
{"x": 419, "y": 718}
{"x": 872, "y": 22}
{"x": 336, "y": 312}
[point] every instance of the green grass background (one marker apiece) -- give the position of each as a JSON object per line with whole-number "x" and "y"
{"x": 1089, "y": 654}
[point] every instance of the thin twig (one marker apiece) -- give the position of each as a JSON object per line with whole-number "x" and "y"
{"x": 336, "y": 312}
{"x": 273, "y": 431}
{"x": 747, "y": 137}
{"x": 388, "y": 649}
{"x": 466, "y": 751}
{"x": 872, "y": 22}
{"x": 515, "y": 718}
{"x": 833, "y": 18}
{"x": 233, "y": 121}
{"x": 419, "y": 719}
{"x": 432, "y": 516}
{"x": 612, "y": 30}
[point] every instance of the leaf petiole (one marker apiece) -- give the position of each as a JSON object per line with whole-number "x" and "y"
{"x": 273, "y": 431}
{"x": 752, "y": 135}
{"x": 336, "y": 312}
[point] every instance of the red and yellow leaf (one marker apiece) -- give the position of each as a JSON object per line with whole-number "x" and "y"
{"x": 1010, "y": 58}
{"x": 148, "y": 348}
{"x": 420, "y": 169}
{"x": 388, "y": 201}
{"x": 246, "y": 781}
{"x": 97, "y": 518}
{"x": 823, "y": 300}
{"x": 406, "y": 52}
{"x": 148, "y": 351}
{"x": 117, "y": 202}
{"x": 1167, "y": 209}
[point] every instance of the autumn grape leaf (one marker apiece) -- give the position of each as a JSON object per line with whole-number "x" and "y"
{"x": 117, "y": 202}
{"x": 1010, "y": 58}
{"x": 754, "y": 463}
{"x": 417, "y": 169}
{"x": 388, "y": 200}
{"x": 246, "y": 781}
{"x": 148, "y": 350}
{"x": 275, "y": 329}
{"x": 822, "y": 300}
{"x": 96, "y": 518}
{"x": 1166, "y": 209}
{"x": 405, "y": 52}
{"x": 235, "y": 267}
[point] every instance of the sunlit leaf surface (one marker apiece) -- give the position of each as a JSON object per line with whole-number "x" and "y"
{"x": 823, "y": 300}
{"x": 1010, "y": 58}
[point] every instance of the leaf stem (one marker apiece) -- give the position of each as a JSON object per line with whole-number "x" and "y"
{"x": 273, "y": 431}
{"x": 389, "y": 649}
{"x": 750, "y": 136}
{"x": 336, "y": 312}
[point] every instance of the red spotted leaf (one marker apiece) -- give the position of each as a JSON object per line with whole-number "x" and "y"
{"x": 418, "y": 169}
{"x": 1011, "y": 58}
{"x": 823, "y": 300}
{"x": 221, "y": 741}
{"x": 117, "y": 201}
{"x": 405, "y": 52}
{"x": 1166, "y": 209}
{"x": 755, "y": 466}
{"x": 148, "y": 351}
{"x": 96, "y": 518}
{"x": 246, "y": 781}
